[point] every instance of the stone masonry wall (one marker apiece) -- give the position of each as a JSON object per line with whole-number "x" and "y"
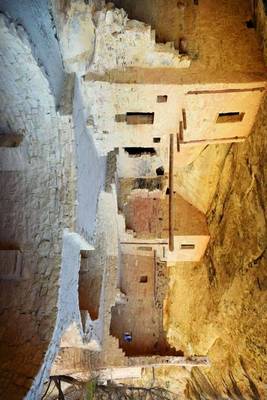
{"x": 36, "y": 18}
{"x": 98, "y": 37}
{"x": 36, "y": 205}
{"x": 121, "y": 42}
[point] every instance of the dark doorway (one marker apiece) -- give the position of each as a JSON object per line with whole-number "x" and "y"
{"x": 139, "y": 151}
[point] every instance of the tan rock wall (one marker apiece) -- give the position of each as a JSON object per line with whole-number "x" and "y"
{"x": 203, "y": 26}
{"x": 224, "y": 298}
{"x": 261, "y": 25}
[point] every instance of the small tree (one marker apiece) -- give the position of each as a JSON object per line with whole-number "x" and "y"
{"x": 95, "y": 391}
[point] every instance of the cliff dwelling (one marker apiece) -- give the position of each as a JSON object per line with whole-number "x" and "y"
{"x": 133, "y": 235}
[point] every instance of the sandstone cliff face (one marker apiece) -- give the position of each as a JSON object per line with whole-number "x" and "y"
{"x": 218, "y": 306}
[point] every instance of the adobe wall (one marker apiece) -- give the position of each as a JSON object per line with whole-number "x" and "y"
{"x": 146, "y": 214}
{"x": 127, "y": 185}
{"x": 204, "y": 105}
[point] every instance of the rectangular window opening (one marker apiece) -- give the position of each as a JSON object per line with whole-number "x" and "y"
{"x": 162, "y": 99}
{"x": 139, "y": 118}
{"x": 187, "y": 246}
{"x": 143, "y": 279}
{"x": 140, "y": 151}
{"x": 156, "y": 139}
{"x": 144, "y": 248}
{"x": 230, "y": 117}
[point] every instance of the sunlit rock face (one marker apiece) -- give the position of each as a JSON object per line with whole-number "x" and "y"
{"x": 194, "y": 183}
{"x": 224, "y": 296}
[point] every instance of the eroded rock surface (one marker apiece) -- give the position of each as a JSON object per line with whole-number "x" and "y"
{"x": 217, "y": 307}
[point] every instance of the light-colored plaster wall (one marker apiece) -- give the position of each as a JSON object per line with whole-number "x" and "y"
{"x": 105, "y": 100}
{"x": 90, "y": 168}
{"x": 203, "y": 110}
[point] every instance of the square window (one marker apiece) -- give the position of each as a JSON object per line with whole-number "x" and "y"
{"x": 144, "y": 248}
{"x": 156, "y": 139}
{"x": 143, "y": 279}
{"x": 162, "y": 99}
